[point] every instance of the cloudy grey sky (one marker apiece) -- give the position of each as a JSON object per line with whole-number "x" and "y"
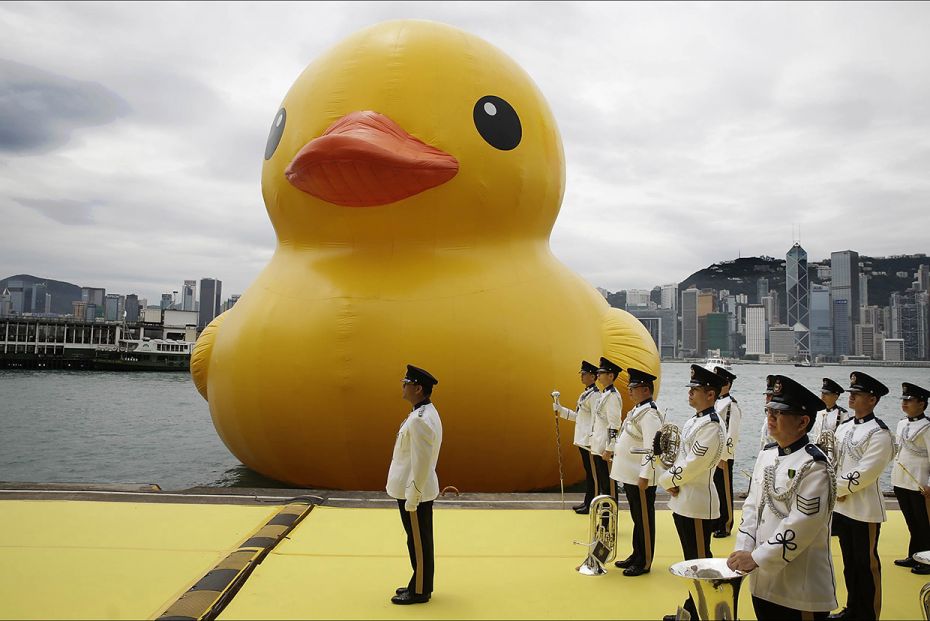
{"x": 132, "y": 135}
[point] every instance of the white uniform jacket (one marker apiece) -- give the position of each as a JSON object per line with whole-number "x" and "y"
{"x": 608, "y": 413}
{"x": 827, "y": 420}
{"x": 582, "y": 416}
{"x": 864, "y": 448}
{"x": 637, "y": 431}
{"x": 764, "y": 438}
{"x": 913, "y": 453}
{"x": 412, "y": 476}
{"x": 702, "y": 444}
{"x": 730, "y": 416}
{"x": 786, "y": 527}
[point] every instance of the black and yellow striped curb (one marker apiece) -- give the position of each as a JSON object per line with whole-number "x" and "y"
{"x": 206, "y": 599}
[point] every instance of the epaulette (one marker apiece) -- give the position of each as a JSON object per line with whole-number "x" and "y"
{"x": 816, "y": 452}
{"x": 848, "y": 420}
{"x": 770, "y": 445}
{"x": 420, "y": 410}
{"x": 733, "y": 399}
{"x": 881, "y": 424}
{"x": 713, "y": 416}
{"x": 841, "y": 409}
{"x": 653, "y": 405}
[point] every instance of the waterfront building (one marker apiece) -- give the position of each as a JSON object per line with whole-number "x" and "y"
{"x": 188, "y": 295}
{"x": 781, "y": 341}
{"x": 112, "y": 306}
{"x": 844, "y": 289}
{"x": 893, "y": 349}
{"x": 796, "y": 286}
{"x": 94, "y": 296}
{"x": 909, "y": 320}
{"x": 756, "y": 330}
{"x": 39, "y": 302}
{"x": 17, "y": 296}
{"x": 714, "y": 333}
{"x": 211, "y": 291}
{"x": 78, "y": 309}
{"x": 865, "y": 340}
{"x": 637, "y": 298}
{"x": 167, "y": 301}
{"x": 90, "y": 312}
{"x": 689, "y": 321}
{"x": 6, "y": 305}
{"x": 863, "y": 290}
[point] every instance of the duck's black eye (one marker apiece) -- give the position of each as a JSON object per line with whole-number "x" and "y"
{"x": 277, "y": 130}
{"x": 498, "y": 123}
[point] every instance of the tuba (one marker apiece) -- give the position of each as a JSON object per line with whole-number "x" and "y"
{"x": 924, "y": 557}
{"x": 603, "y": 546}
{"x": 714, "y": 588}
{"x": 665, "y": 445}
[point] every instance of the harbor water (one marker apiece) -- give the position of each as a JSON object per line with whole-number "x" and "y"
{"x": 114, "y": 427}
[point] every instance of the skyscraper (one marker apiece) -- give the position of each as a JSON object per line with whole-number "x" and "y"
{"x": 756, "y": 330}
{"x": 211, "y": 291}
{"x": 798, "y": 301}
{"x": 689, "y": 321}
{"x": 821, "y": 328}
{"x": 844, "y": 289}
{"x": 188, "y": 295}
{"x": 762, "y": 289}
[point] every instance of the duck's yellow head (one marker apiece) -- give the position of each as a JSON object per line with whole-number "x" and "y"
{"x": 413, "y": 129}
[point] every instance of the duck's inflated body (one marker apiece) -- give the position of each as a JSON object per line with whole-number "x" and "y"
{"x": 413, "y": 214}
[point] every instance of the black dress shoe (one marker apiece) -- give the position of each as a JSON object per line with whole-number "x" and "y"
{"x": 840, "y": 615}
{"x": 721, "y": 534}
{"x": 579, "y": 506}
{"x": 400, "y": 590}
{"x": 669, "y": 618}
{"x": 635, "y": 570}
{"x": 410, "y": 598}
{"x": 906, "y": 562}
{"x": 921, "y": 570}
{"x": 627, "y": 562}
{"x": 583, "y": 510}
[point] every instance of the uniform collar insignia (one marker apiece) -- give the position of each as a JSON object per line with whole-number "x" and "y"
{"x": 709, "y": 410}
{"x": 421, "y": 404}
{"x": 795, "y": 446}
{"x": 916, "y": 417}
{"x": 865, "y": 418}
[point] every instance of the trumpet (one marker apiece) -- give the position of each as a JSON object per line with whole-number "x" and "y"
{"x": 665, "y": 445}
{"x": 827, "y": 443}
{"x": 603, "y": 546}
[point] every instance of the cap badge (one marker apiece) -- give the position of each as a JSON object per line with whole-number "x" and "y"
{"x": 692, "y": 372}
{"x": 852, "y": 378}
{"x": 777, "y": 388}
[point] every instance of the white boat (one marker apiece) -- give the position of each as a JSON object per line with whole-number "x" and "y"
{"x": 716, "y": 360}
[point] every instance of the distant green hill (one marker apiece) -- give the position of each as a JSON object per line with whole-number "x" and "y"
{"x": 63, "y": 293}
{"x": 741, "y": 276}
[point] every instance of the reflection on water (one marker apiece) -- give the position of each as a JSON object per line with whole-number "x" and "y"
{"x": 243, "y": 476}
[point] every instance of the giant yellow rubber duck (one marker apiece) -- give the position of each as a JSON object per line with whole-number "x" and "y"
{"x": 413, "y": 174}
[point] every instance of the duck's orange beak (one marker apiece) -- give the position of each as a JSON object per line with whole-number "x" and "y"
{"x": 365, "y": 159}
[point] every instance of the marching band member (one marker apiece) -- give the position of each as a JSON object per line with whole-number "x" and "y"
{"x": 636, "y": 472}
{"x": 730, "y": 416}
{"x": 910, "y": 474}
{"x": 764, "y": 438}
{"x": 583, "y": 422}
{"x": 690, "y": 481}
{"x": 608, "y": 414}
{"x": 783, "y": 540}
{"x": 412, "y": 481}
{"x": 830, "y": 417}
{"x": 864, "y": 448}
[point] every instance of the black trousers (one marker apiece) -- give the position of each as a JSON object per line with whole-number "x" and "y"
{"x": 603, "y": 483}
{"x": 694, "y": 535}
{"x": 914, "y": 507}
{"x": 643, "y": 511}
{"x": 767, "y": 611}
{"x": 419, "y": 527}
{"x": 862, "y": 569}
{"x": 588, "y": 464}
{"x": 723, "y": 481}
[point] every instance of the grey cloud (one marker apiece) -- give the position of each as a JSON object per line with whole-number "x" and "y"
{"x": 65, "y": 211}
{"x": 39, "y": 110}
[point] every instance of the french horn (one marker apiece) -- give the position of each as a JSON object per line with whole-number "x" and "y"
{"x": 665, "y": 445}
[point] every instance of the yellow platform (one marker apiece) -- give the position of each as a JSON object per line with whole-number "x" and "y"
{"x": 115, "y": 560}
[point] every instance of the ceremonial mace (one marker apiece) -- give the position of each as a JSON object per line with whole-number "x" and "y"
{"x": 920, "y": 485}
{"x": 558, "y": 445}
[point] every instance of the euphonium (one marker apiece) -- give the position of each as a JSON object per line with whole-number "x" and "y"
{"x": 925, "y": 601}
{"x": 603, "y": 545}
{"x": 714, "y": 588}
{"x": 665, "y": 445}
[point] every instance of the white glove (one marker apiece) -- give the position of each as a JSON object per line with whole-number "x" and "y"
{"x": 556, "y": 407}
{"x": 410, "y": 506}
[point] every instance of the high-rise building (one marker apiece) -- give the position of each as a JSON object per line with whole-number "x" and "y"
{"x": 821, "y": 328}
{"x": 689, "y": 321}
{"x": 909, "y": 322}
{"x": 762, "y": 289}
{"x": 79, "y": 309}
{"x": 112, "y": 307}
{"x": 865, "y": 340}
{"x": 798, "y": 299}
{"x": 167, "y": 301}
{"x": 781, "y": 340}
{"x": 132, "y": 308}
{"x": 188, "y": 295}
{"x": 714, "y": 333}
{"x": 637, "y": 298}
{"x": 894, "y": 349}
{"x": 923, "y": 277}
{"x": 756, "y": 330}
{"x": 6, "y": 304}
{"x": 17, "y": 296}
{"x": 670, "y": 297}
{"x": 211, "y": 291}
{"x": 863, "y": 289}
{"x": 662, "y": 324}
{"x": 844, "y": 289}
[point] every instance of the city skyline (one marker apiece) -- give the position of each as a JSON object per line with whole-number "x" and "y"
{"x": 691, "y": 132}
